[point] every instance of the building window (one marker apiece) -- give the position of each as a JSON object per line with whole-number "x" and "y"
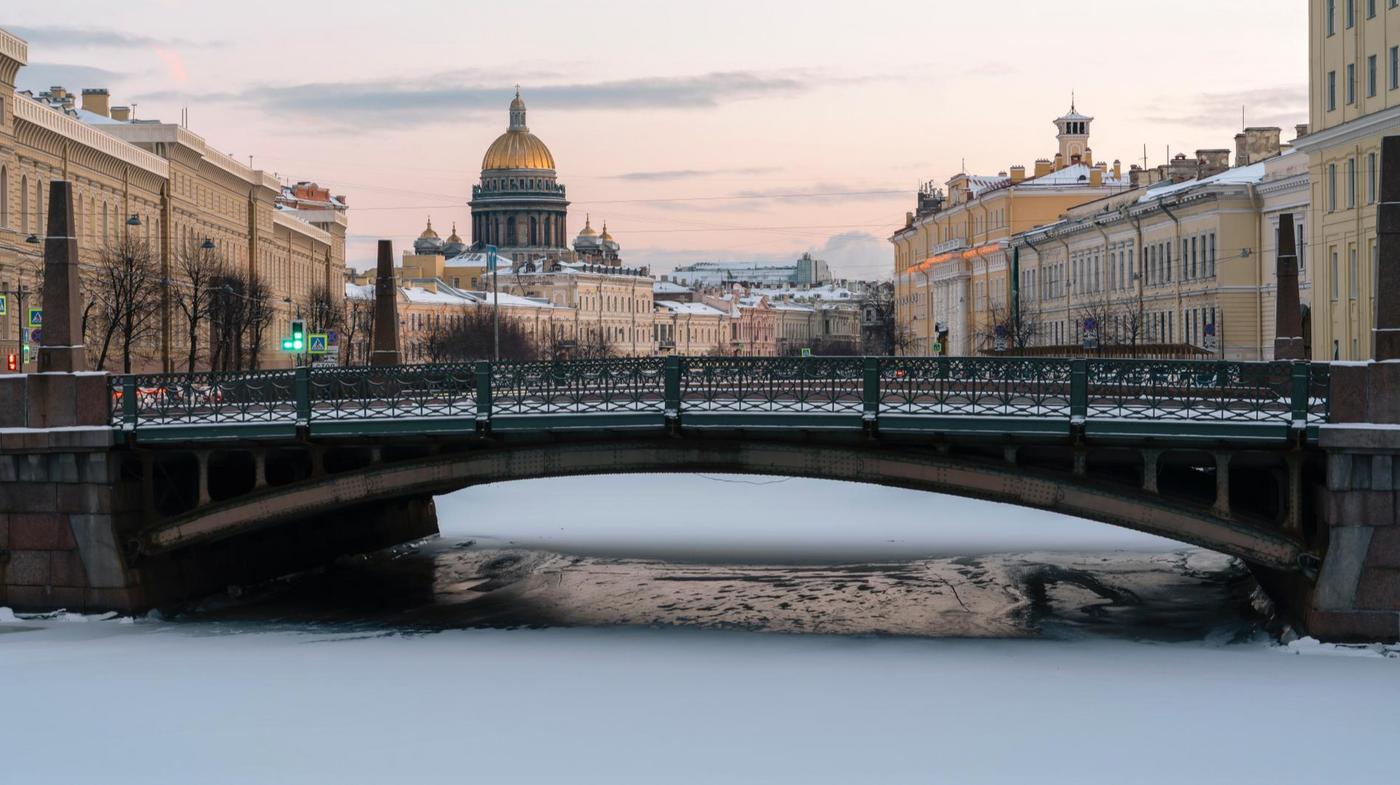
{"x": 1353, "y": 273}
{"x": 1335, "y": 277}
{"x": 1302, "y": 249}
{"x": 1351, "y": 183}
{"x": 1351, "y": 13}
{"x": 1211, "y": 268}
{"x": 1331, "y": 188}
{"x": 4, "y": 196}
{"x": 1331, "y": 17}
{"x": 1371, "y": 178}
{"x": 1371, "y": 76}
{"x": 1351, "y": 83}
{"x": 1394, "y": 67}
{"x": 1331, "y": 91}
{"x": 1370, "y": 9}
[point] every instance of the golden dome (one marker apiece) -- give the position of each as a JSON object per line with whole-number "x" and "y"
{"x": 517, "y": 148}
{"x": 588, "y": 228}
{"x": 605, "y": 236}
{"x": 453, "y": 238}
{"x": 428, "y": 234}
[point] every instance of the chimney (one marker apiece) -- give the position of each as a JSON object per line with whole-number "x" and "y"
{"x": 1042, "y": 167}
{"x": 1241, "y": 150}
{"x": 1088, "y": 156}
{"x": 1117, "y": 169}
{"x": 122, "y": 113}
{"x": 1211, "y": 162}
{"x": 1096, "y": 177}
{"x": 1301, "y": 130}
{"x": 1018, "y": 173}
{"x": 96, "y": 100}
{"x": 1059, "y": 161}
{"x": 1261, "y": 143}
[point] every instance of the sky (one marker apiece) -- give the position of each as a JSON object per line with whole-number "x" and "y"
{"x": 697, "y": 131}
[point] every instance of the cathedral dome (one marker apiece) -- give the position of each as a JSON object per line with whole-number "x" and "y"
{"x": 517, "y": 148}
{"x": 428, "y": 242}
{"x": 455, "y": 246}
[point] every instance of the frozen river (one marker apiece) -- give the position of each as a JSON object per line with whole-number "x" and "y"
{"x": 627, "y": 630}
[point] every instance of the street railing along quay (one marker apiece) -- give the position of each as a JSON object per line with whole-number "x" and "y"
{"x": 1211, "y": 399}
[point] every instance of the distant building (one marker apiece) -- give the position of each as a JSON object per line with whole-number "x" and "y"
{"x": 519, "y": 205}
{"x": 805, "y": 271}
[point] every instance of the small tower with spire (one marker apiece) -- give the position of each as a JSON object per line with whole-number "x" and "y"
{"x": 517, "y": 112}
{"x": 1073, "y": 134}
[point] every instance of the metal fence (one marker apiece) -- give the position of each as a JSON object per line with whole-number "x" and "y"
{"x": 1293, "y": 393}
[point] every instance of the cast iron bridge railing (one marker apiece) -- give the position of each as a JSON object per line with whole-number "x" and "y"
{"x": 991, "y": 395}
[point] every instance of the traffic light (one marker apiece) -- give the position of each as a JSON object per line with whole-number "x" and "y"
{"x": 26, "y": 353}
{"x": 12, "y": 362}
{"x": 297, "y": 341}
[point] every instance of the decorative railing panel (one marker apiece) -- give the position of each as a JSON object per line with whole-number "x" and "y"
{"x": 761, "y": 384}
{"x": 447, "y": 390}
{"x": 975, "y": 386}
{"x": 1189, "y": 390}
{"x": 203, "y": 397}
{"x": 578, "y": 387}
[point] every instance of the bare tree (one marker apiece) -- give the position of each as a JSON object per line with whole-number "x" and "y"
{"x": 240, "y": 311}
{"x": 357, "y": 329}
{"x": 1018, "y": 329}
{"x": 260, "y": 315}
{"x": 325, "y": 309}
{"x": 468, "y": 334}
{"x": 200, "y": 268}
{"x": 123, "y": 309}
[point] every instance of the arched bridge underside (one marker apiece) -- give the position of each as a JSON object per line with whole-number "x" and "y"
{"x": 1183, "y": 492}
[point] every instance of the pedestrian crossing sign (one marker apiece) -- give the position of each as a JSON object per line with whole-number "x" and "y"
{"x": 4, "y": 304}
{"x": 36, "y": 317}
{"x": 317, "y": 344}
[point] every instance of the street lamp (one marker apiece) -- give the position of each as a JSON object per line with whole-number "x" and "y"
{"x": 32, "y": 239}
{"x": 134, "y": 220}
{"x": 207, "y": 245}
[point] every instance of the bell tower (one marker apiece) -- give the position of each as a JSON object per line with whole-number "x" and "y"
{"x": 1073, "y": 134}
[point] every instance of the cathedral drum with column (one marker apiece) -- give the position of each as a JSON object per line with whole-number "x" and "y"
{"x": 519, "y": 207}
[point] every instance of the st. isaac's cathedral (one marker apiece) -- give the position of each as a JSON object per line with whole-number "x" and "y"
{"x": 520, "y": 207}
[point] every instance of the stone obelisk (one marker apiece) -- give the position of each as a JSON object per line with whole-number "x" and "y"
{"x": 1288, "y": 314}
{"x": 1388, "y": 253}
{"x": 385, "y": 349}
{"x": 61, "y": 342}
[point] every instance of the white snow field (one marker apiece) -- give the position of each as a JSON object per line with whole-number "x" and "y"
{"x": 115, "y": 701}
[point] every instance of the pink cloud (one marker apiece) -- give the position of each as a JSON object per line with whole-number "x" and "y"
{"x": 173, "y": 63}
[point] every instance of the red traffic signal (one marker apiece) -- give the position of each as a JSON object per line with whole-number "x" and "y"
{"x": 12, "y": 361}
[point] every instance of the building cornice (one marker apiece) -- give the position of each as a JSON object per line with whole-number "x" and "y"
{"x": 33, "y": 112}
{"x": 1350, "y": 131}
{"x": 14, "y": 47}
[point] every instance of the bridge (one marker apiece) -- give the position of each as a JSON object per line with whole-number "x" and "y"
{"x": 132, "y": 491}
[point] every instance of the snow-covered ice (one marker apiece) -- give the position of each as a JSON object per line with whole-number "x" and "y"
{"x": 218, "y": 698}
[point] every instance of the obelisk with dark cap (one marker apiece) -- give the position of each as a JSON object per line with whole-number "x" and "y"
{"x": 386, "y": 310}
{"x": 1388, "y": 254}
{"x": 61, "y": 343}
{"x": 1288, "y": 314}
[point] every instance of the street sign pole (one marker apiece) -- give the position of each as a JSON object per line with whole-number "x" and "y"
{"x": 495, "y": 302}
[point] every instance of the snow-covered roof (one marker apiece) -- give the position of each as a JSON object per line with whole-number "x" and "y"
{"x": 1074, "y": 174}
{"x": 826, "y": 292}
{"x": 355, "y": 291}
{"x": 667, "y": 287}
{"x": 693, "y": 309}
{"x": 1252, "y": 174}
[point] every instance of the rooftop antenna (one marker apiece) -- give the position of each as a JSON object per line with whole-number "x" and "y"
{"x": 1144, "y": 155}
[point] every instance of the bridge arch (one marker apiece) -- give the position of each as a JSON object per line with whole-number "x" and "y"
{"x": 1259, "y": 542}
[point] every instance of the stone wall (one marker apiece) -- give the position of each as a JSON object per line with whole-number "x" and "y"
{"x": 64, "y": 506}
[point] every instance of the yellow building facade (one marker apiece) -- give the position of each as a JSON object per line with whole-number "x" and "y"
{"x": 1354, "y": 101}
{"x": 951, "y": 264}
{"x": 1177, "y": 268}
{"x": 175, "y": 186}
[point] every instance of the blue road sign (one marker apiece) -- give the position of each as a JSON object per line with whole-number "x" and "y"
{"x": 37, "y": 334}
{"x": 332, "y": 338}
{"x": 317, "y": 343}
{"x": 36, "y": 317}
{"x": 4, "y": 304}
{"x": 490, "y": 258}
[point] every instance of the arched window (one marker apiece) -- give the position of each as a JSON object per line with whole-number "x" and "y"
{"x": 510, "y": 230}
{"x": 24, "y": 203}
{"x": 106, "y": 235}
{"x": 534, "y": 232}
{"x": 4, "y": 196}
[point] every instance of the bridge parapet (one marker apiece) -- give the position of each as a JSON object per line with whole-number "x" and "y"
{"x": 1108, "y": 397}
